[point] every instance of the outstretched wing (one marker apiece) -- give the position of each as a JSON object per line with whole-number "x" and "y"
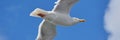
{"x": 63, "y": 6}
{"x": 46, "y": 31}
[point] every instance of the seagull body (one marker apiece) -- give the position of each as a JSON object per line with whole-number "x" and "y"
{"x": 58, "y": 16}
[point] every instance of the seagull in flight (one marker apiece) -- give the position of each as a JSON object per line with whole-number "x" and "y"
{"x": 59, "y": 15}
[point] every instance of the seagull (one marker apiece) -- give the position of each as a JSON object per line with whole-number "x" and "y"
{"x": 59, "y": 15}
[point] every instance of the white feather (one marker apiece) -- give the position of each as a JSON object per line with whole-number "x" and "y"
{"x": 37, "y": 11}
{"x": 46, "y": 31}
{"x": 63, "y": 6}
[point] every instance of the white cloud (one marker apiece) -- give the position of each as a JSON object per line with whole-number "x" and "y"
{"x": 112, "y": 20}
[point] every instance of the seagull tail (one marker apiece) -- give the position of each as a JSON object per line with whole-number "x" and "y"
{"x": 38, "y": 11}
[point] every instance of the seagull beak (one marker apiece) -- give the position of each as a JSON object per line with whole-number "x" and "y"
{"x": 82, "y": 20}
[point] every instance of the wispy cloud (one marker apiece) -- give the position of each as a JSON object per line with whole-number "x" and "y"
{"x": 13, "y": 8}
{"x": 9, "y": 19}
{"x": 112, "y": 20}
{"x": 3, "y": 37}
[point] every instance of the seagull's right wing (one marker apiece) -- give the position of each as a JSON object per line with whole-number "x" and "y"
{"x": 46, "y": 31}
{"x": 63, "y": 6}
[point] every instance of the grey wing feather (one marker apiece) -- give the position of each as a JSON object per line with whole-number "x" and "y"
{"x": 46, "y": 31}
{"x": 63, "y": 6}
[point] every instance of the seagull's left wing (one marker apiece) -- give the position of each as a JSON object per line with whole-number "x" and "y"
{"x": 63, "y": 6}
{"x": 47, "y": 31}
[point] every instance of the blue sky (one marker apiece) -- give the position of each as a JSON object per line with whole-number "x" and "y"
{"x": 16, "y": 24}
